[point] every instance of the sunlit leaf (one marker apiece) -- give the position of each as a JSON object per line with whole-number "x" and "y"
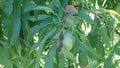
{"x": 115, "y": 14}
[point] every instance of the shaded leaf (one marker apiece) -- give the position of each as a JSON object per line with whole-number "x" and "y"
{"x": 8, "y": 7}
{"x": 117, "y": 48}
{"x": 68, "y": 54}
{"x": 83, "y": 61}
{"x": 36, "y": 7}
{"x": 118, "y": 9}
{"x": 100, "y": 50}
{"x": 40, "y": 44}
{"x": 109, "y": 62}
{"x": 9, "y": 27}
{"x": 17, "y": 22}
{"x": 88, "y": 50}
{"x": 36, "y": 28}
{"x": 61, "y": 60}
{"x": 84, "y": 16}
{"x": 50, "y": 56}
{"x": 104, "y": 34}
{"x": 4, "y": 56}
{"x": 40, "y": 17}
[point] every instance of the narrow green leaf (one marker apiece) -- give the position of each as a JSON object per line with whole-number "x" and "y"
{"x": 40, "y": 44}
{"x": 117, "y": 48}
{"x": 84, "y": 39}
{"x": 104, "y": 34}
{"x": 4, "y": 56}
{"x": 18, "y": 47}
{"x": 90, "y": 63}
{"x": 32, "y": 31}
{"x": 24, "y": 20}
{"x": 40, "y": 17}
{"x": 109, "y": 62}
{"x": 8, "y": 7}
{"x": 1, "y": 31}
{"x": 83, "y": 61}
{"x": 88, "y": 49}
{"x": 83, "y": 15}
{"x": 90, "y": 52}
{"x": 115, "y": 14}
{"x": 61, "y": 59}
{"x": 59, "y": 8}
{"x": 17, "y": 22}
{"x": 118, "y": 9}
{"x": 35, "y": 29}
{"x": 9, "y": 27}
{"x": 100, "y": 50}
{"x": 50, "y": 56}
{"x": 68, "y": 54}
{"x": 65, "y": 2}
{"x": 36, "y": 7}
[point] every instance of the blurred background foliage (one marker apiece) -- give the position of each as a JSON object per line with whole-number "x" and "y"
{"x": 28, "y": 28}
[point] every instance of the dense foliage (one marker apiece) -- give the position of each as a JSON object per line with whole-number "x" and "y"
{"x": 32, "y": 34}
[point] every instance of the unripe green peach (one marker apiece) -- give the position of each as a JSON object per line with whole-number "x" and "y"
{"x": 70, "y": 21}
{"x": 68, "y": 41}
